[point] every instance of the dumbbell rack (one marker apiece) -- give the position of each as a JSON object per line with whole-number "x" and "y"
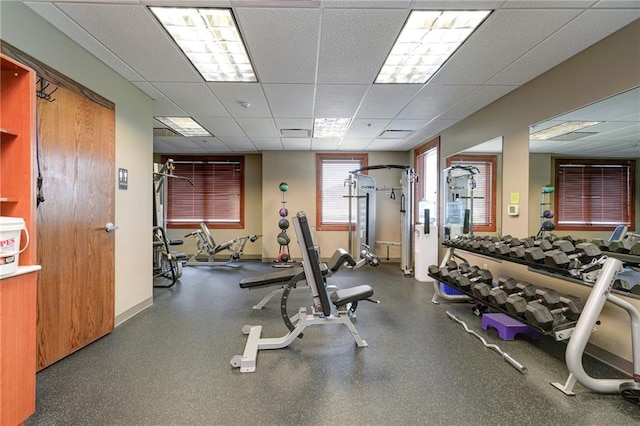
{"x": 571, "y": 275}
{"x": 560, "y": 330}
{"x": 578, "y": 332}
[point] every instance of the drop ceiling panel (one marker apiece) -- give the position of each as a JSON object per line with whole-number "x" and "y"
{"x": 479, "y": 98}
{"x": 162, "y": 105}
{"x": 282, "y": 42}
{"x": 193, "y": 98}
{"x": 355, "y": 42}
{"x": 406, "y": 124}
{"x": 324, "y": 144}
{"x": 354, "y": 144}
{"x": 240, "y": 144}
{"x": 622, "y": 4}
{"x": 56, "y": 17}
{"x": 547, "y": 4}
{"x": 290, "y": 100}
{"x": 258, "y": 127}
{"x": 366, "y": 128}
{"x": 383, "y": 144}
{"x": 387, "y": 100}
{"x": 432, "y": 100}
{"x": 138, "y": 39}
{"x": 297, "y": 144}
{"x": 457, "y": 4}
{"x": 268, "y": 144}
{"x": 294, "y": 123}
{"x": 574, "y": 37}
{"x": 221, "y": 126}
{"x": 338, "y": 101}
{"x": 233, "y": 95}
{"x": 500, "y": 40}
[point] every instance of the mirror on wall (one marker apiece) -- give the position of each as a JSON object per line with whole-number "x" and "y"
{"x": 603, "y": 135}
{"x": 607, "y": 129}
{"x": 473, "y": 210}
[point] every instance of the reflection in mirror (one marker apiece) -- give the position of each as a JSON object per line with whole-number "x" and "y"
{"x": 591, "y": 157}
{"x": 472, "y": 181}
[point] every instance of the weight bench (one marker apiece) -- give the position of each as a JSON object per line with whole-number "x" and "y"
{"x": 282, "y": 278}
{"x": 206, "y": 246}
{"x": 333, "y": 308}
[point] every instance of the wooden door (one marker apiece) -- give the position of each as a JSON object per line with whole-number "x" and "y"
{"x": 76, "y": 285}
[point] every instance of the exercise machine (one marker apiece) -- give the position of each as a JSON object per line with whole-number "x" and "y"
{"x": 167, "y": 264}
{"x": 600, "y": 294}
{"x": 207, "y": 247}
{"x": 336, "y": 307}
{"x": 459, "y": 198}
{"x": 340, "y": 259}
{"x": 364, "y": 235}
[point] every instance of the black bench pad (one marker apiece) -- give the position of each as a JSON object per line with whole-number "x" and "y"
{"x": 278, "y": 277}
{"x": 350, "y": 295}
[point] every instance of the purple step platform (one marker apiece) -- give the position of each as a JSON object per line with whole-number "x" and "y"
{"x": 507, "y": 327}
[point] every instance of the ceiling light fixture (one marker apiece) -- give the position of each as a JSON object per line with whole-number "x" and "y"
{"x": 186, "y": 126}
{"x": 330, "y": 127}
{"x": 561, "y": 129}
{"x": 211, "y": 41}
{"x": 426, "y": 41}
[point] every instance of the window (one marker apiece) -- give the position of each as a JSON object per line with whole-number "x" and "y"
{"x": 426, "y": 188}
{"x": 484, "y": 194}
{"x": 332, "y": 204}
{"x": 216, "y": 198}
{"x": 594, "y": 194}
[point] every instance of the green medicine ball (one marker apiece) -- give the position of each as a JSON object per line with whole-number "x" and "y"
{"x": 284, "y": 186}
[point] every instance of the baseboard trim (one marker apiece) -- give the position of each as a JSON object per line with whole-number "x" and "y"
{"x": 133, "y": 311}
{"x": 610, "y": 359}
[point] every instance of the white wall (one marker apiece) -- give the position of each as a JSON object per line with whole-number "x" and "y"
{"x": 27, "y": 31}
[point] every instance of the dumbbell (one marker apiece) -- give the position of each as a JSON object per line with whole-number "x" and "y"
{"x": 535, "y": 254}
{"x": 463, "y": 269}
{"x": 437, "y": 271}
{"x": 498, "y": 296}
{"x": 585, "y": 253}
{"x": 484, "y": 290}
{"x": 517, "y": 304}
{"x": 626, "y": 286}
{"x": 481, "y": 276}
{"x": 541, "y": 316}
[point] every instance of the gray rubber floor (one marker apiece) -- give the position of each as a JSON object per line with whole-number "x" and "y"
{"x": 170, "y": 365}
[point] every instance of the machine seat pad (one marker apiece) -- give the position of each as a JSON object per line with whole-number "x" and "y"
{"x": 278, "y": 277}
{"x": 339, "y": 258}
{"x": 350, "y": 295}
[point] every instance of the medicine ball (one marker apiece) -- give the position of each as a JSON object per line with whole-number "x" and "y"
{"x": 283, "y": 257}
{"x": 284, "y": 212}
{"x": 284, "y": 186}
{"x": 283, "y": 238}
{"x": 283, "y": 224}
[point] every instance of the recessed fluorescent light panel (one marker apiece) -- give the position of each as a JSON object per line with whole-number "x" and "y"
{"x": 210, "y": 40}
{"x": 186, "y": 126}
{"x": 561, "y": 129}
{"x": 330, "y": 127}
{"x": 427, "y": 40}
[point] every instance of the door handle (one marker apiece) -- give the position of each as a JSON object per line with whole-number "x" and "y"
{"x": 110, "y": 227}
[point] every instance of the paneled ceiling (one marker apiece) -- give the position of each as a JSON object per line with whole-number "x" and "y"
{"x": 319, "y": 58}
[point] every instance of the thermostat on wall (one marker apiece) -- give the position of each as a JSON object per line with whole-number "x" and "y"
{"x": 513, "y": 210}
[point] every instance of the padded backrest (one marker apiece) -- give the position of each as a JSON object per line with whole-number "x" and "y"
{"x": 339, "y": 258}
{"x": 207, "y": 235}
{"x": 311, "y": 263}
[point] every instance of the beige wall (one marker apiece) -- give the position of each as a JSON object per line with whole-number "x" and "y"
{"x": 298, "y": 169}
{"x": 607, "y": 68}
{"x": 252, "y": 215}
